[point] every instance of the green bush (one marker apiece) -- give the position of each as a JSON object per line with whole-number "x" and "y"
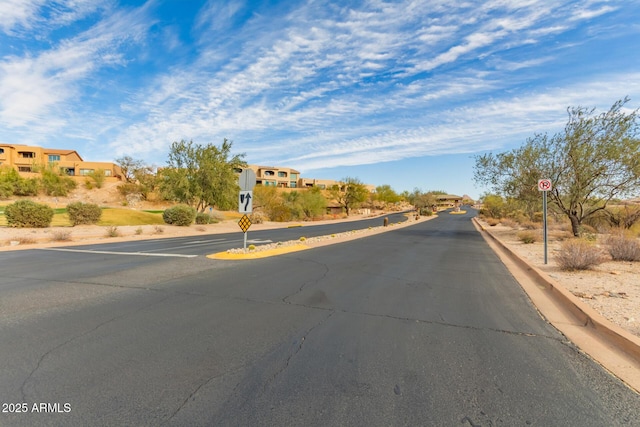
{"x": 55, "y": 184}
{"x": 83, "y": 213}
{"x": 25, "y": 213}
{"x": 98, "y": 176}
{"x": 26, "y": 187}
{"x": 181, "y": 215}
{"x": 12, "y": 184}
{"x": 205, "y": 218}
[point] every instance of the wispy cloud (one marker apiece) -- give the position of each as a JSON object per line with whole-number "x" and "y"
{"x": 308, "y": 84}
{"x": 33, "y": 88}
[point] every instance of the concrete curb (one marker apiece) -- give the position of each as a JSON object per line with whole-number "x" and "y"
{"x": 612, "y": 336}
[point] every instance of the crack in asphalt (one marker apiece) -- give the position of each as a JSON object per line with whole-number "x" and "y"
{"x": 308, "y": 282}
{"x": 283, "y": 367}
{"x": 200, "y": 386}
{"x": 23, "y": 391}
{"x": 296, "y": 350}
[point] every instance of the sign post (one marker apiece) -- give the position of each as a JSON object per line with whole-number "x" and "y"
{"x": 246, "y": 180}
{"x": 544, "y": 185}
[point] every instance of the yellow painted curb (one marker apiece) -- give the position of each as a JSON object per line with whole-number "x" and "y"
{"x": 258, "y": 254}
{"x": 458, "y": 213}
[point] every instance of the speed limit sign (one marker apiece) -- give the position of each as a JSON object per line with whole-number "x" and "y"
{"x": 544, "y": 185}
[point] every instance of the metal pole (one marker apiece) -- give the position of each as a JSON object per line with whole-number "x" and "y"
{"x": 544, "y": 220}
{"x": 245, "y": 242}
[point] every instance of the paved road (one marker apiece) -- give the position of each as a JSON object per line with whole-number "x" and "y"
{"x": 417, "y": 326}
{"x": 207, "y": 244}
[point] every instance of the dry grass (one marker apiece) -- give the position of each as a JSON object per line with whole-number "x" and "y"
{"x": 528, "y": 236}
{"x": 623, "y": 248}
{"x": 24, "y": 240}
{"x": 492, "y": 222}
{"x": 61, "y": 236}
{"x": 112, "y": 231}
{"x": 579, "y": 254}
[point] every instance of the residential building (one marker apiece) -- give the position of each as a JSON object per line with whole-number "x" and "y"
{"x": 28, "y": 159}
{"x": 275, "y": 176}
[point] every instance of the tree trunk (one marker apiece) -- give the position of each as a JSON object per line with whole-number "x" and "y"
{"x": 575, "y": 224}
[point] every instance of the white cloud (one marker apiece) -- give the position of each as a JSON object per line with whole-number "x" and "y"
{"x": 33, "y": 88}
{"x": 15, "y": 13}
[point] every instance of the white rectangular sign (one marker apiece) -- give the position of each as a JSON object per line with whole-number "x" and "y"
{"x": 245, "y": 202}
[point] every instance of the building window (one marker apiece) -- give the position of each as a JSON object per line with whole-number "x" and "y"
{"x": 282, "y": 174}
{"x": 269, "y": 173}
{"x": 107, "y": 172}
{"x": 85, "y": 172}
{"x": 54, "y": 157}
{"x": 1, "y": 150}
{"x": 26, "y": 154}
{"x": 24, "y": 169}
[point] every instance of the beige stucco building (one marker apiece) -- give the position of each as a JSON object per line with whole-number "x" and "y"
{"x": 28, "y": 159}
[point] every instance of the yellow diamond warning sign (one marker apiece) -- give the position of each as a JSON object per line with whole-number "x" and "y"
{"x": 244, "y": 223}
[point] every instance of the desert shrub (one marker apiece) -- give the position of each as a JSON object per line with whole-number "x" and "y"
{"x": 493, "y": 222}
{"x": 98, "y": 177}
{"x": 55, "y": 184}
{"x": 578, "y": 254}
{"x": 25, "y": 240}
{"x": 588, "y": 232}
{"x": 530, "y": 225}
{"x": 26, "y": 187}
{"x": 12, "y": 184}
{"x": 83, "y": 213}
{"x": 6, "y": 190}
{"x": 623, "y": 248}
{"x": 527, "y": 237}
{"x": 25, "y": 213}
{"x": 204, "y": 218}
{"x": 181, "y": 215}
{"x": 130, "y": 188}
{"x": 508, "y": 222}
{"x": 61, "y": 236}
{"x": 493, "y": 206}
{"x": 256, "y": 217}
{"x": 112, "y": 231}
{"x": 280, "y": 213}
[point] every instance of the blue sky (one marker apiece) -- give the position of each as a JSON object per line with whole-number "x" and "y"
{"x": 401, "y": 92}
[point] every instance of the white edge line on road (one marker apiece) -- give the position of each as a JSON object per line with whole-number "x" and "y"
{"x": 118, "y": 253}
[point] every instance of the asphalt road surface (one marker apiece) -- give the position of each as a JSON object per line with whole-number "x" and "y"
{"x": 418, "y": 326}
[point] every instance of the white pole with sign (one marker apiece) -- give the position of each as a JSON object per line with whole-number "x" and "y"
{"x": 246, "y": 181}
{"x": 544, "y": 185}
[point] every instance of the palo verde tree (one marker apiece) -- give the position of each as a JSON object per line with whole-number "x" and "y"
{"x": 386, "y": 194}
{"x": 129, "y": 167}
{"x": 349, "y": 193}
{"x": 201, "y": 175}
{"x": 594, "y": 160}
